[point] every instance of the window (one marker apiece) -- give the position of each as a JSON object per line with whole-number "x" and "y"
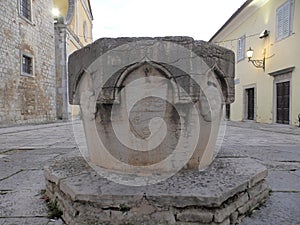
{"x": 25, "y": 9}
{"x": 284, "y": 20}
{"x": 241, "y": 48}
{"x": 85, "y": 31}
{"x": 27, "y": 65}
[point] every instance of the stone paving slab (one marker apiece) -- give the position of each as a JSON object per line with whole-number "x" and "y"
{"x": 22, "y": 203}
{"x": 25, "y": 179}
{"x": 278, "y": 128}
{"x": 280, "y": 209}
{"x": 284, "y": 181}
{"x": 25, "y": 221}
{"x": 26, "y": 160}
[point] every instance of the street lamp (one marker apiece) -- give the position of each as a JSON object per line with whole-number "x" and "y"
{"x": 256, "y": 62}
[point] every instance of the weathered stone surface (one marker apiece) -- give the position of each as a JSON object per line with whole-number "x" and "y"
{"x": 254, "y": 202}
{"x": 194, "y": 215}
{"x": 284, "y": 180}
{"x": 26, "y": 221}
{"x": 223, "y": 179}
{"x": 278, "y": 148}
{"x": 66, "y": 167}
{"x": 213, "y": 55}
{"x": 22, "y": 203}
{"x": 144, "y": 101}
{"x": 281, "y": 208}
{"x": 257, "y": 189}
{"x": 225, "y": 212}
{"x": 213, "y": 196}
{"x": 17, "y": 182}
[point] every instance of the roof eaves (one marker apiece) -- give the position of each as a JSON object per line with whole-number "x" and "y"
{"x": 90, "y": 8}
{"x": 237, "y": 12}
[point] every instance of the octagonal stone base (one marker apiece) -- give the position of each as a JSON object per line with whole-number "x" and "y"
{"x": 222, "y": 194}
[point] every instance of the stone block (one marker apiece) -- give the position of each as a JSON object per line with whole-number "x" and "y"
{"x": 257, "y": 189}
{"x": 164, "y": 217}
{"x": 195, "y": 215}
{"x": 225, "y": 222}
{"x": 252, "y": 203}
{"x": 234, "y": 217}
{"x": 221, "y": 214}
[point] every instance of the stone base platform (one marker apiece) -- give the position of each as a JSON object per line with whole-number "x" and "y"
{"x": 222, "y": 194}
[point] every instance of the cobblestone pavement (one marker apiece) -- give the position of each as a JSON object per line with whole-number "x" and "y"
{"x": 24, "y": 150}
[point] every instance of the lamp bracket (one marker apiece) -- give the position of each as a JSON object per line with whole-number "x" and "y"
{"x": 258, "y": 63}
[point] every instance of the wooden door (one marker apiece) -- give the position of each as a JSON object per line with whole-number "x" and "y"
{"x": 250, "y": 103}
{"x": 283, "y": 102}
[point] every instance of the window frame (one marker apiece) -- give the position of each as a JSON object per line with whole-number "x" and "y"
{"x": 24, "y": 73}
{"x": 29, "y": 18}
{"x": 278, "y": 35}
{"x": 241, "y": 48}
{"x": 85, "y": 31}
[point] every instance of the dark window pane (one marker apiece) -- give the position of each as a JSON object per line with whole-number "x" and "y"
{"x": 25, "y": 8}
{"x": 27, "y": 64}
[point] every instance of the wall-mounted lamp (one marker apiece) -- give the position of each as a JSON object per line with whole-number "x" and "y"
{"x": 256, "y": 63}
{"x": 55, "y": 12}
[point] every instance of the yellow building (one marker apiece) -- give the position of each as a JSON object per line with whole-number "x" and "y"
{"x": 267, "y": 84}
{"x": 73, "y": 30}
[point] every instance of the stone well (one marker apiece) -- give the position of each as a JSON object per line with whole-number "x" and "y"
{"x": 152, "y": 109}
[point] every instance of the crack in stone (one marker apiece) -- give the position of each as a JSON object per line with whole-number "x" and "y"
{"x": 20, "y": 217}
{"x": 286, "y": 191}
{"x": 28, "y": 129}
{"x": 11, "y": 175}
{"x": 289, "y": 161}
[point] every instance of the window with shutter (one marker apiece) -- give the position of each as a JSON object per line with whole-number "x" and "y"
{"x": 241, "y": 48}
{"x": 283, "y": 20}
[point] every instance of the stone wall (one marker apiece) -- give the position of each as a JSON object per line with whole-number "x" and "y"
{"x": 27, "y": 99}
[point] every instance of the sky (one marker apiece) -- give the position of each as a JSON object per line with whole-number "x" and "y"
{"x": 200, "y": 19}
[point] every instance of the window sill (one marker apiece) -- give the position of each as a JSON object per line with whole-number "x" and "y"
{"x": 27, "y": 20}
{"x": 27, "y": 75}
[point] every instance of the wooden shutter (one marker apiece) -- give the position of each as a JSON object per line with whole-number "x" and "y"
{"x": 241, "y": 48}
{"x": 283, "y": 20}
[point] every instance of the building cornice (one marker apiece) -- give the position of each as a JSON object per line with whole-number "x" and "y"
{"x": 88, "y": 9}
{"x": 239, "y": 17}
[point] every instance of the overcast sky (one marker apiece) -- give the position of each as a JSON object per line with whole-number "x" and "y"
{"x": 199, "y": 19}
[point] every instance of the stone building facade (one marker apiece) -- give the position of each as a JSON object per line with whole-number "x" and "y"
{"x": 73, "y": 30}
{"x": 268, "y": 91}
{"x": 27, "y": 62}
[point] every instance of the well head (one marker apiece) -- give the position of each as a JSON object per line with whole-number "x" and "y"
{"x": 151, "y": 104}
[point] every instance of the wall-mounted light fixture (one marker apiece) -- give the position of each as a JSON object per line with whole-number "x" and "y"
{"x": 55, "y": 12}
{"x": 255, "y": 62}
